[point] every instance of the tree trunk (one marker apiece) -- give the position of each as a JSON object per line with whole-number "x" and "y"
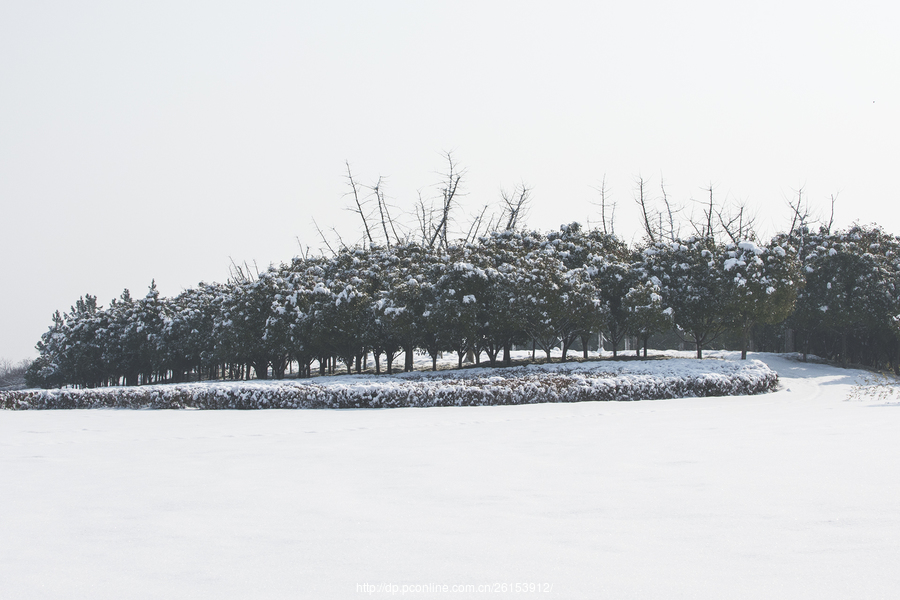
{"x": 408, "y": 363}
{"x": 845, "y": 358}
{"x": 279, "y": 365}
{"x": 492, "y": 352}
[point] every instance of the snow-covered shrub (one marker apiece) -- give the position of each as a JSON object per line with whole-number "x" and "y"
{"x": 572, "y": 382}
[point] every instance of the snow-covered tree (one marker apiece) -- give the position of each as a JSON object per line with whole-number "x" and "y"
{"x": 761, "y": 284}
{"x": 851, "y": 293}
{"x": 645, "y": 313}
{"x": 345, "y": 307}
{"x": 462, "y": 288}
{"x": 692, "y": 285}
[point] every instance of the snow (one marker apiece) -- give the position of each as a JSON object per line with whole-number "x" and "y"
{"x": 731, "y": 263}
{"x": 750, "y": 247}
{"x": 783, "y": 495}
{"x": 537, "y": 383}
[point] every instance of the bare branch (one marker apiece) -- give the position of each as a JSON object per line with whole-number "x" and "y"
{"x": 727, "y": 223}
{"x": 324, "y": 239}
{"x": 236, "y": 272}
{"x": 739, "y": 225}
{"x": 423, "y": 219}
{"x": 472, "y": 234}
{"x": 449, "y": 189}
{"x": 340, "y": 240}
{"x": 800, "y": 215}
{"x": 516, "y": 205}
{"x": 493, "y": 224}
{"x": 383, "y": 211}
{"x": 241, "y": 273}
{"x": 608, "y": 223}
{"x": 831, "y": 218}
{"x": 354, "y": 190}
{"x": 642, "y": 202}
{"x": 304, "y": 250}
{"x": 670, "y": 212}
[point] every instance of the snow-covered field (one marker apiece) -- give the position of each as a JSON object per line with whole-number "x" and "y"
{"x": 794, "y": 494}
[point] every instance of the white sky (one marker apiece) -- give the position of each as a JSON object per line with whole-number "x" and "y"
{"x": 161, "y": 140}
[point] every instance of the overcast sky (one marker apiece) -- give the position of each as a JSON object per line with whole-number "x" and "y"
{"x": 161, "y": 140}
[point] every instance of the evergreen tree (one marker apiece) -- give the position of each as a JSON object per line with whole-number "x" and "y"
{"x": 692, "y": 286}
{"x": 761, "y": 285}
{"x": 645, "y": 313}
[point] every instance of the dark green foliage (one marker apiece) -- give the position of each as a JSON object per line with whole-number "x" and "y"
{"x": 484, "y": 297}
{"x": 761, "y": 285}
{"x": 849, "y": 307}
{"x": 692, "y": 286}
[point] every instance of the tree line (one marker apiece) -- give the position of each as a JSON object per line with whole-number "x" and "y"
{"x": 837, "y": 294}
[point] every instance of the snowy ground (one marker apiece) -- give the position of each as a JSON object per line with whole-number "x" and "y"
{"x": 794, "y": 494}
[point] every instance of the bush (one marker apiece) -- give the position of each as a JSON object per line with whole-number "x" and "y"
{"x": 575, "y": 382}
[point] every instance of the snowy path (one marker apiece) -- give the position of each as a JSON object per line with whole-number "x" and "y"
{"x": 788, "y": 495}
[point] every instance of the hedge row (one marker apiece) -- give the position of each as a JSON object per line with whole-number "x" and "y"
{"x": 486, "y": 387}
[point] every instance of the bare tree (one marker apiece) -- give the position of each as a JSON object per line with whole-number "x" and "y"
{"x": 607, "y": 222}
{"x": 671, "y": 230}
{"x": 708, "y": 212}
{"x": 831, "y": 218}
{"x": 800, "y": 217}
{"x": 449, "y": 190}
{"x": 384, "y": 213}
{"x": 642, "y": 202}
{"x": 424, "y": 218}
{"x": 738, "y": 223}
{"x": 515, "y": 205}
{"x": 658, "y": 224}
{"x": 354, "y": 191}
{"x": 475, "y": 225}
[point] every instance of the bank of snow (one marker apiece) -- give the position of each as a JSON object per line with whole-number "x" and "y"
{"x": 789, "y": 495}
{"x": 558, "y": 382}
